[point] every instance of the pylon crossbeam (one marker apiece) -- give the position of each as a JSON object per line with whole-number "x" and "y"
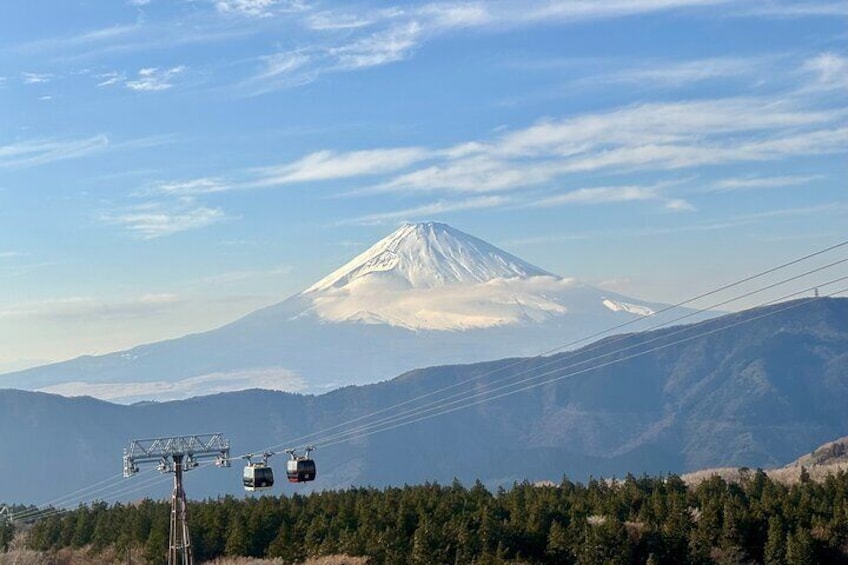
{"x": 162, "y": 450}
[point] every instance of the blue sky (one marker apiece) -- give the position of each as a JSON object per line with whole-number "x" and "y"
{"x": 167, "y": 166}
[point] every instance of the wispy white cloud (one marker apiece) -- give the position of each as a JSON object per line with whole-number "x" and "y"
{"x": 111, "y": 78}
{"x": 394, "y": 44}
{"x": 670, "y": 74}
{"x": 260, "y": 8}
{"x": 291, "y": 68}
{"x": 332, "y": 21}
{"x": 678, "y": 205}
{"x": 283, "y": 70}
{"x": 473, "y": 173}
{"x": 601, "y": 195}
{"x": 153, "y": 79}
{"x": 205, "y": 185}
{"x": 255, "y": 8}
{"x": 37, "y": 78}
{"x": 380, "y": 37}
{"x": 582, "y": 11}
{"x": 356, "y": 37}
{"x": 152, "y": 220}
{"x": 326, "y": 165}
{"x": 750, "y": 183}
{"x": 457, "y": 15}
{"x": 644, "y": 138}
{"x": 40, "y": 152}
{"x": 91, "y": 307}
{"x": 792, "y": 9}
{"x": 830, "y": 70}
{"x": 430, "y": 210}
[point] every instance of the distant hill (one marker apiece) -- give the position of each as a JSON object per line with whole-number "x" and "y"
{"x": 427, "y": 294}
{"x": 828, "y": 459}
{"x": 755, "y": 389}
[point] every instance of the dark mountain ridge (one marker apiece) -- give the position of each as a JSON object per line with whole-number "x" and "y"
{"x": 757, "y": 389}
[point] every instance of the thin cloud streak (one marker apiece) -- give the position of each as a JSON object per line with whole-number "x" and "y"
{"x": 652, "y": 137}
{"x": 429, "y": 210}
{"x": 152, "y": 79}
{"x": 159, "y": 219}
{"x": 376, "y": 38}
{"x": 88, "y": 307}
{"x": 749, "y": 183}
{"x": 600, "y": 195}
{"x": 327, "y": 165}
{"x": 41, "y": 152}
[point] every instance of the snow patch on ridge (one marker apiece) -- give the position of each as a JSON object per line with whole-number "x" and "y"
{"x": 618, "y": 306}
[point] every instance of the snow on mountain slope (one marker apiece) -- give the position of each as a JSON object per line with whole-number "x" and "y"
{"x": 619, "y": 306}
{"x": 427, "y": 255}
{"x": 430, "y": 276}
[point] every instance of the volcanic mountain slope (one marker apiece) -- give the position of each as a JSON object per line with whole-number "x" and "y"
{"x": 427, "y": 294}
{"x": 754, "y": 389}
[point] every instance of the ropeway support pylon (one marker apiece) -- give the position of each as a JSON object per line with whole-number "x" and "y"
{"x": 177, "y": 455}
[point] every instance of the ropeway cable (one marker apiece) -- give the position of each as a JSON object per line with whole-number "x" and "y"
{"x": 569, "y": 375}
{"x": 590, "y": 348}
{"x": 338, "y": 438}
{"x": 481, "y": 398}
{"x": 395, "y": 423}
{"x": 589, "y": 337}
{"x": 91, "y": 491}
{"x": 440, "y": 402}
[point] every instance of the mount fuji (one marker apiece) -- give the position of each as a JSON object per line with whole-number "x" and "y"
{"x": 427, "y": 294}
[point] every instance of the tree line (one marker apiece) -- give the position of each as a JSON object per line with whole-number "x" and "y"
{"x": 653, "y": 520}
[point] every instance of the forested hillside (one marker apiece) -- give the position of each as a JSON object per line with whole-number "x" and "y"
{"x": 636, "y": 520}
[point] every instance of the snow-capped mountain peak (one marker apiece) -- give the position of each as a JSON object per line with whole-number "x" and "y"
{"x": 430, "y": 276}
{"x": 427, "y": 255}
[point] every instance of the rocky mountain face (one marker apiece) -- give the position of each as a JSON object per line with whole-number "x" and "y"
{"x": 427, "y": 294}
{"x": 756, "y": 389}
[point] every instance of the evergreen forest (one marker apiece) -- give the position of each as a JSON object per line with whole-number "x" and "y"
{"x": 653, "y": 520}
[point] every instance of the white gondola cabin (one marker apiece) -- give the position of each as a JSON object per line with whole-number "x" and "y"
{"x": 300, "y": 468}
{"x": 258, "y": 476}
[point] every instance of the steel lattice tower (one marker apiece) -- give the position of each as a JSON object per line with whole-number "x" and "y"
{"x": 177, "y": 455}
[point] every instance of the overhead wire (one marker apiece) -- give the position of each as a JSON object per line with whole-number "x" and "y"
{"x": 584, "y": 339}
{"x": 90, "y": 491}
{"x": 606, "y": 343}
{"x": 476, "y": 401}
{"x": 420, "y": 413}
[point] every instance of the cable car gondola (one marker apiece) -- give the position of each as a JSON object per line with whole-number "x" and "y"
{"x": 258, "y": 476}
{"x": 300, "y": 468}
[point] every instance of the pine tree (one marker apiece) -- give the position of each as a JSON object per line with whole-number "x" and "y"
{"x": 799, "y": 548}
{"x": 775, "y": 550}
{"x": 557, "y": 549}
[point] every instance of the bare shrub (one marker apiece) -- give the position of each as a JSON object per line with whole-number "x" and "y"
{"x": 327, "y": 560}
